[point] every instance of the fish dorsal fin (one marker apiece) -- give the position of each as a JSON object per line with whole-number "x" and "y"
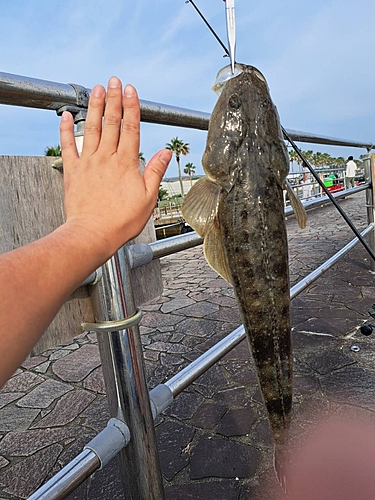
{"x": 297, "y": 206}
{"x": 214, "y": 251}
{"x": 199, "y": 207}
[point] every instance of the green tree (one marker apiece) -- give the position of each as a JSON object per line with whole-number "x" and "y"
{"x": 189, "y": 170}
{"x": 309, "y": 155}
{"x": 294, "y": 156}
{"x": 53, "y": 151}
{"x": 141, "y": 156}
{"x": 163, "y": 193}
{"x": 321, "y": 159}
{"x": 178, "y": 147}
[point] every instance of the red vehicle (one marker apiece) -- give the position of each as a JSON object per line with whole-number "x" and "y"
{"x": 336, "y": 187}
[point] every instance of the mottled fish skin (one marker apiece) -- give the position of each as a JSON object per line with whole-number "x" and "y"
{"x": 246, "y": 156}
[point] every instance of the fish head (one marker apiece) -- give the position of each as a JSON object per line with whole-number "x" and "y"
{"x": 244, "y": 125}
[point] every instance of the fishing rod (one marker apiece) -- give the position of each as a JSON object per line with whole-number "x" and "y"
{"x": 227, "y": 54}
{"x": 304, "y": 159}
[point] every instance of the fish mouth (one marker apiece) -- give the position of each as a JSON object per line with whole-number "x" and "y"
{"x": 224, "y": 75}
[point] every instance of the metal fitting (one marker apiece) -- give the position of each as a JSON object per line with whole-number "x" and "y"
{"x": 160, "y": 398}
{"x": 79, "y": 111}
{"x": 109, "y": 441}
{"x": 139, "y": 255}
{"x": 113, "y": 326}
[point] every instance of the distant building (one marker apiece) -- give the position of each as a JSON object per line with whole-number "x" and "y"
{"x": 172, "y": 185}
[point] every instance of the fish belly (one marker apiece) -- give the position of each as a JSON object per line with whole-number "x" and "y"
{"x": 254, "y": 237}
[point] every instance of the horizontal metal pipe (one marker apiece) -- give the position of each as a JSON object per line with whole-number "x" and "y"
{"x": 168, "y": 246}
{"x": 321, "y": 200}
{"x": 174, "y": 224}
{"x": 321, "y": 169}
{"x": 69, "y": 478}
{"x": 34, "y": 93}
{"x": 185, "y": 377}
{"x": 164, "y": 114}
{"x": 314, "y": 275}
{"x": 299, "y": 136}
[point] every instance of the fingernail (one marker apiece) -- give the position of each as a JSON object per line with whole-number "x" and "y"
{"x": 97, "y": 91}
{"x": 165, "y": 157}
{"x": 129, "y": 91}
{"x": 65, "y": 116}
{"x": 114, "y": 82}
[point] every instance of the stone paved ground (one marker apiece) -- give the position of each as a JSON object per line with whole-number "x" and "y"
{"x": 214, "y": 441}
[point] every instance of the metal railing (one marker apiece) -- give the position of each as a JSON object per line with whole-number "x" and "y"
{"x": 131, "y": 405}
{"x": 34, "y": 93}
{"x": 163, "y": 395}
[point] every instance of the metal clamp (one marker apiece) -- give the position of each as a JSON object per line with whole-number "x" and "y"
{"x": 113, "y": 326}
{"x": 78, "y": 111}
{"x": 82, "y": 95}
{"x": 79, "y": 114}
{"x": 109, "y": 441}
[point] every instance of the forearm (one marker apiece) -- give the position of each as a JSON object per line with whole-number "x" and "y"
{"x": 35, "y": 281}
{"x": 107, "y": 202}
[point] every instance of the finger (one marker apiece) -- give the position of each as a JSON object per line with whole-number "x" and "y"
{"x": 93, "y": 124}
{"x": 129, "y": 139}
{"x": 112, "y": 117}
{"x": 68, "y": 144}
{"x": 155, "y": 170}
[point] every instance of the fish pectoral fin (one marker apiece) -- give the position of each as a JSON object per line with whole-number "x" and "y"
{"x": 200, "y": 205}
{"x": 297, "y": 206}
{"x": 214, "y": 251}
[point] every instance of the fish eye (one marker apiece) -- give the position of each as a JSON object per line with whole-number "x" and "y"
{"x": 234, "y": 101}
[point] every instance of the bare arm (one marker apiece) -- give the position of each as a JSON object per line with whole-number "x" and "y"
{"x": 107, "y": 202}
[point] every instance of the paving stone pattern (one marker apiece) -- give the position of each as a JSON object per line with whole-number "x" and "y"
{"x": 214, "y": 441}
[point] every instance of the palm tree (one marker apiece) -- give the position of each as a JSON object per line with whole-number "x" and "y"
{"x": 318, "y": 159}
{"x": 294, "y": 156}
{"x": 189, "y": 170}
{"x": 178, "y": 147}
{"x": 141, "y": 156}
{"x": 163, "y": 193}
{"x": 309, "y": 155}
{"x": 53, "y": 151}
{"x": 340, "y": 161}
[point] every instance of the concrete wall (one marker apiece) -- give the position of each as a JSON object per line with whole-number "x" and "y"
{"x": 31, "y": 206}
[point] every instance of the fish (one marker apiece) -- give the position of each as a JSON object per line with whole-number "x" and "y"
{"x": 238, "y": 208}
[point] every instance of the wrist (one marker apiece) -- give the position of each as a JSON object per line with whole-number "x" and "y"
{"x": 89, "y": 243}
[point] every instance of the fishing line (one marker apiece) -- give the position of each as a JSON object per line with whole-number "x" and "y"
{"x": 209, "y": 27}
{"x": 322, "y": 185}
{"x": 300, "y": 154}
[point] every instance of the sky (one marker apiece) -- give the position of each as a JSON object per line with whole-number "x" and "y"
{"x": 316, "y": 56}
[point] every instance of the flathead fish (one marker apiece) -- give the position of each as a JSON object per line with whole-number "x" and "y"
{"x": 239, "y": 210}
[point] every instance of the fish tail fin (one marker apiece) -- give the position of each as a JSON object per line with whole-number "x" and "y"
{"x": 281, "y": 466}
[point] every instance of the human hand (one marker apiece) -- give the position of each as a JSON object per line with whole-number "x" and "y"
{"x": 107, "y": 198}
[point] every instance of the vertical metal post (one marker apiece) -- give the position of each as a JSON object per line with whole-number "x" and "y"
{"x": 369, "y": 169}
{"x": 124, "y": 375}
{"x": 127, "y": 393}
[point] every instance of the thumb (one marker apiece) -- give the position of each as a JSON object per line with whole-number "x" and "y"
{"x": 155, "y": 170}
